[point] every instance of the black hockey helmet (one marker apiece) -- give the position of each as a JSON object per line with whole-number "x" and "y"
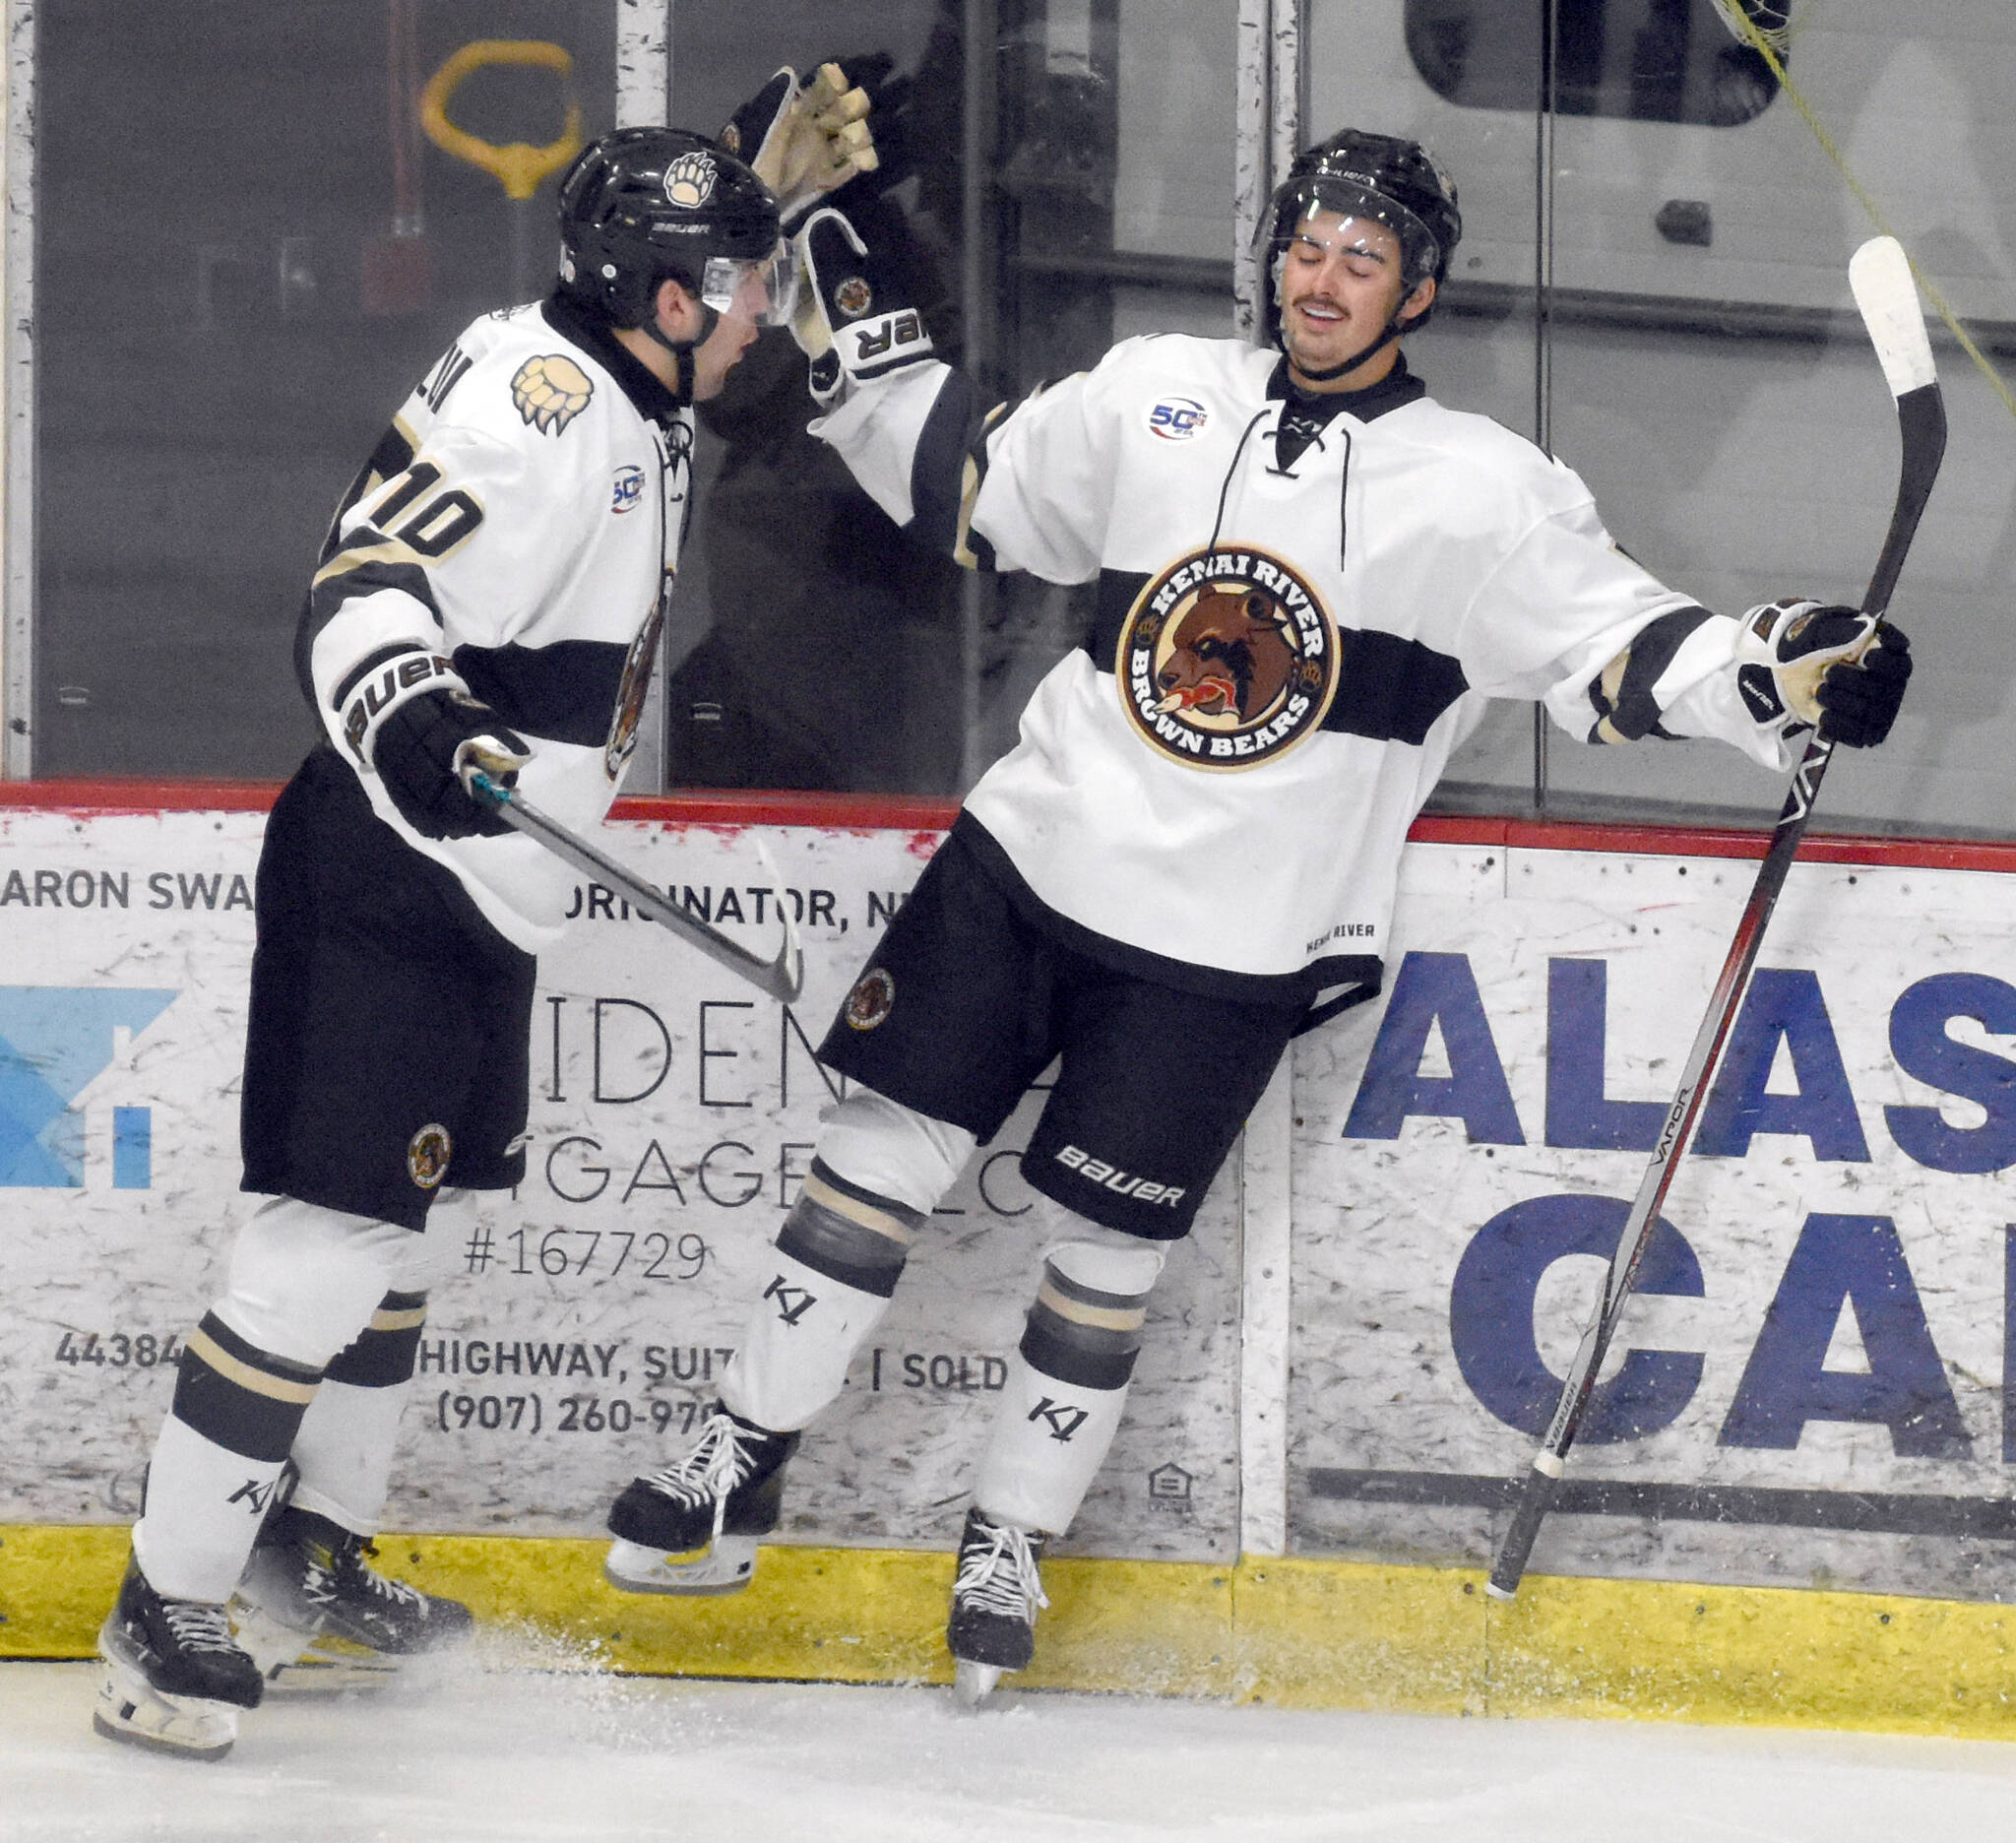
{"x": 645, "y": 205}
{"x": 1391, "y": 181}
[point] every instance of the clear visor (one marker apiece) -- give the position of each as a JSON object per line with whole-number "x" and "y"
{"x": 1356, "y": 205}
{"x": 762, "y": 289}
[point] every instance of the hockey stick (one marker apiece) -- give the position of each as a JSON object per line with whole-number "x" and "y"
{"x": 782, "y": 978}
{"x": 1880, "y": 276}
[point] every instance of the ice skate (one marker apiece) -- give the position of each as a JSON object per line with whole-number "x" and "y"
{"x": 314, "y": 1613}
{"x": 692, "y": 1528}
{"x": 176, "y": 1679}
{"x": 994, "y": 1602}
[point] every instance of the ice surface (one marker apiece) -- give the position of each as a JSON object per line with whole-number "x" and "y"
{"x": 522, "y": 1742}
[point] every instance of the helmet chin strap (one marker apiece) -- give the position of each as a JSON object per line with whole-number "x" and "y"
{"x": 1395, "y": 328}
{"x": 682, "y": 349}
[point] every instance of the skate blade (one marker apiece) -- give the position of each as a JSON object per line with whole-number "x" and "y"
{"x": 973, "y": 1684}
{"x": 133, "y": 1711}
{"x": 724, "y": 1567}
{"x": 334, "y": 1666}
{"x": 294, "y": 1662}
{"x": 270, "y": 1642}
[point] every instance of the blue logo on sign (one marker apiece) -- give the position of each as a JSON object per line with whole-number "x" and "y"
{"x": 629, "y": 493}
{"x": 55, "y": 1041}
{"x": 1178, "y": 418}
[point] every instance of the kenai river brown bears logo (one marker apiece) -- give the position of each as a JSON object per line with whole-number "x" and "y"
{"x": 1226, "y": 659}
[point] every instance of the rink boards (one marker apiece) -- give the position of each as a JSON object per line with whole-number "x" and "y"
{"x": 1343, "y": 1367}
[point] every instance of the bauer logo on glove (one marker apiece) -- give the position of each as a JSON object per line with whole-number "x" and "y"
{"x": 852, "y": 321}
{"x": 1806, "y": 663}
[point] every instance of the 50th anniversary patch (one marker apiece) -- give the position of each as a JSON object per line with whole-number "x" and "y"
{"x": 1227, "y": 658}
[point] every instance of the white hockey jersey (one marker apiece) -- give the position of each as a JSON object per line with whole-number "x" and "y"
{"x": 1215, "y": 789}
{"x": 523, "y": 517}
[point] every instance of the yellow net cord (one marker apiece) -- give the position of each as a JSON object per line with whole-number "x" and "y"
{"x": 1747, "y": 29}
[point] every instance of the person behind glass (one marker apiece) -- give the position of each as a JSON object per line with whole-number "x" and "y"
{"x": 489, "y": 596}
{"x": 1310, "y": 577}
{"x": 844, "y": 674}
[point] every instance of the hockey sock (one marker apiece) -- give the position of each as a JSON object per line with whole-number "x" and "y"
{"x": 344, "y": 1445}
{"x": 835, "y": 1268}
{"x": 236, "y": 1411}
{"x": 1068, "y": 1384}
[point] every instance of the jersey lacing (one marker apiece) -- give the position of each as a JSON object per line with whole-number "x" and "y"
{"x": 1306, "y": 431}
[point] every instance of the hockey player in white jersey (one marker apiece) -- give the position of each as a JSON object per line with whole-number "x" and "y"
{"x": 489, "y": 595}
{"x": 1310, "y": 577}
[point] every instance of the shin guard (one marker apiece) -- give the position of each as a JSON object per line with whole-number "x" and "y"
{"x": 236, "y": 1413}
{"x": 833, "y": 1271}
{"x": 1068, "y": 1384}
{"x": 344, "y": 1445}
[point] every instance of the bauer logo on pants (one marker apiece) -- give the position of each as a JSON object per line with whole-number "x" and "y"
{"x": 426, "y": 1157}
{"x": 1227, "y": 660}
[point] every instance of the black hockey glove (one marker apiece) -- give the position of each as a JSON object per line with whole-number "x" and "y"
{"x": 1806, "y": 663}
{"x": 1859, "y": 703}
{"x": 852, "y": 320}
{"x": 803, "y": 139}
{"x": 425, "y": 748}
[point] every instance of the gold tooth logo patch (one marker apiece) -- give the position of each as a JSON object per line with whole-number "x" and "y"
{"x": 550, "y": 391}
{"x": 871, "y": 1000}
{"x": 427, "y": 1153}
{"x": 1226, "y": 659}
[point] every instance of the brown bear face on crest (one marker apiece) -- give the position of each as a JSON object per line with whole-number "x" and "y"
{"x": 1228, "y": 656}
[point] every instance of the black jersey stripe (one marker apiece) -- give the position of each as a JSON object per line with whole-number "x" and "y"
{"x": 565, "y": 692}
{"x": 949, "y": 463}
{"x": 1391, "y": 689}
{"x": 380, "y": 563}
{"x": 1632, "y": 709}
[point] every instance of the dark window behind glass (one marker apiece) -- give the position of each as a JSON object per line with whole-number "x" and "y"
{"x": 215, "y": 184}
{"x": 1638, "y": 60}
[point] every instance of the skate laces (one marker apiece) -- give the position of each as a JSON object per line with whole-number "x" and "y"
{"x": 327, "y": 1567}
{"x": 198, "y": 1627}
{"x": 998, "y": 1573}
{"x": 398, "y": 1591}
{"x": 719, "y": 1461}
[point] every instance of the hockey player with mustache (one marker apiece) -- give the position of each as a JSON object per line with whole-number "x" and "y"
{"x": 1310, "y": 578}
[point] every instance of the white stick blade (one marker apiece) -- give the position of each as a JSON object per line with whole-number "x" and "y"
{"x": 1879, "y": 273}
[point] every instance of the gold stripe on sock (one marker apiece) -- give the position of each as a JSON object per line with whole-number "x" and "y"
{"x": 412, "y": 1321}
{"x": 233, "y": 1369}
{"x": 1106, "y": 1318}
{"x": 854, "y": 1210}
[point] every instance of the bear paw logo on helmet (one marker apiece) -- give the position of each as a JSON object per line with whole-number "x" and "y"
{"x": 690, "y": 180}
{"x": 549, "y": 392}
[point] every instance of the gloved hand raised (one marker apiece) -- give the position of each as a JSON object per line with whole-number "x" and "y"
{"x": 804, "y": 140}
{"x": 852, "y": 321}
{"x": 1808, "y": 664}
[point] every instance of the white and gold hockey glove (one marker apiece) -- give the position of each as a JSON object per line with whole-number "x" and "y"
{"x": 806, "y": 140}
{"x": 852, "y": 321}
{"x": 1802, "y": 663}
